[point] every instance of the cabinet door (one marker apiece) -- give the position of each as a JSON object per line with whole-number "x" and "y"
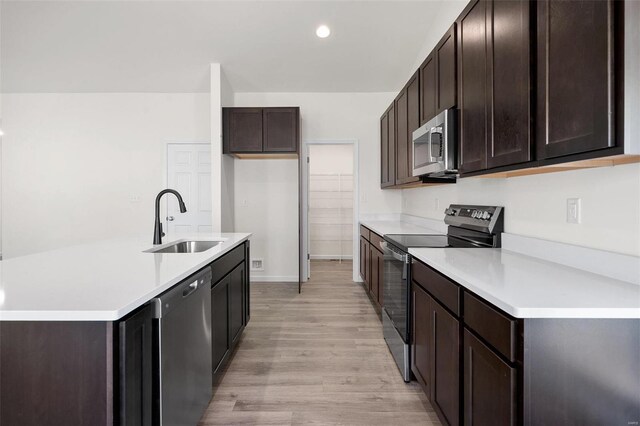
{"x": 387, "y": 148}
{"x": 242, "y": 130}
{"x": 376, "y": 275}
{"x": 413, "y": 121}
{"x": 136, "y": 368}
{"x": 489, "y": 386}
{"x": 575, "y": 78}
{"x": 402, "y": 141}
{"x": 364, "y": 250}
{"x": 421, "y": 337}
{"x": 384, "y": 149}
{"x": 280, "y": 129}
{"x": 472, "y": 86}
{"x": 445, "y": 54}
{"x": 445, "y": 364}
{"x": 236, "y": 302}
{"x": 408, "y": 120}
{"x": 219, "y": 321}
{"x": 428, "y": 89}
{"x": 508, "y": 103}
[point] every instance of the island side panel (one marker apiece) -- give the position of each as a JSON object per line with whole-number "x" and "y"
{"x": 56, "y": 372}
{"x": 581, "y": 371}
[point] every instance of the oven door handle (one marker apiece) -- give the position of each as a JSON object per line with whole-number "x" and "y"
{"x": 396, "y": 255}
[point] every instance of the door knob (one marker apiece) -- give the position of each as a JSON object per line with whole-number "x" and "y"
{"x": 170, "y": 218}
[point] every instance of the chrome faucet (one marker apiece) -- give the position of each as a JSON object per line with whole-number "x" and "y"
{"x": 157, "y": 229}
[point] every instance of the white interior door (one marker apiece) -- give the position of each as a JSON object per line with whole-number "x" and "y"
{"x": 189, "y": 173}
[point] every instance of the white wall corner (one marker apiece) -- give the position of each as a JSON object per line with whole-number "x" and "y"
{"x": 216, "y": 147}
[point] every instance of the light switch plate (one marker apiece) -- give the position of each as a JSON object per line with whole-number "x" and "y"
{"x": 573, "y": 210}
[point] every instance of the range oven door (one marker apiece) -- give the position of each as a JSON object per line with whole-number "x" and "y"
{"x": 395, "y": 287}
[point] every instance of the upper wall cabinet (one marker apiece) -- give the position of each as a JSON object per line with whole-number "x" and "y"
{"x": 388, "y": 147}
{"x": 575, "y": 95}
{"x": 494, "y": 84}
{"x": 261, "y": 130}
{"x": 438, "y": 78}
{"x": 407, "y": 107}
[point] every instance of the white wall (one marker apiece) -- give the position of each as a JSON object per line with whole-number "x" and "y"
{"x": 536, "y": 205}
{"x": 266, "y": 204}
{"x": 72, "y": 162}
{"x": 226, "y": 199}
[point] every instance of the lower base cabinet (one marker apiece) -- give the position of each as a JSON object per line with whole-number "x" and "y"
{"x": 136, "y": 358}
{"x": 489, "y": 386}
{"x": 371, "y": 264}
{"x": 229, "y": 305}
{"x": 435, "y": 354}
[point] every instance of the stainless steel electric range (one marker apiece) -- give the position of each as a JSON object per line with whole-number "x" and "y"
{"x": 469, "y": 227}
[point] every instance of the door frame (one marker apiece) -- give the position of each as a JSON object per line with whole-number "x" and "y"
{"x": 304, "y": 191}
{"x": 165, "y": 202}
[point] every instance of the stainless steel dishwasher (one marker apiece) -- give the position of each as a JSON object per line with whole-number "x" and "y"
{"x": 184, "y": 342}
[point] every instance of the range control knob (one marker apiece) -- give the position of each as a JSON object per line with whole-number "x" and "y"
{"x": 486, "y": 215}
{"x": 474, "y": 214}
{"x": 450, "y": 212}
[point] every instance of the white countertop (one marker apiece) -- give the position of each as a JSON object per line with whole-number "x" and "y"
{"x": 528, "y": 287}
{"x": 386, "y": 227}
{"x": 101, "y": 281}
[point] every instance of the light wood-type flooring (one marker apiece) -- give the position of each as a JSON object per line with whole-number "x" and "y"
{"x": 316, "y": 358}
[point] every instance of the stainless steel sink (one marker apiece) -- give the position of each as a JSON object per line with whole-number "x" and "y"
{"x": 186, "y": 247}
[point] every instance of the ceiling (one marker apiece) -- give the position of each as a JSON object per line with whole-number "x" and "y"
{"x": 167, "y": 46}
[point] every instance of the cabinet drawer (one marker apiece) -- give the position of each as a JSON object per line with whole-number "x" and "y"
{"x": 445, "y": 291}
{"x": 493, "y": 326}
{"x": 364, "y": 232}
{"x": 375, "y": 241}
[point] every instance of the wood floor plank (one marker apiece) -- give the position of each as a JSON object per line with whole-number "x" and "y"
{"x": 316, "y": 358}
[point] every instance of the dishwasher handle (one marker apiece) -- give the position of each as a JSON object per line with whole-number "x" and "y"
{"x": 191, "y": 288}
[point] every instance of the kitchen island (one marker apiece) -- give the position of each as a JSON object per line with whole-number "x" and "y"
{"x": 79, "y": 339}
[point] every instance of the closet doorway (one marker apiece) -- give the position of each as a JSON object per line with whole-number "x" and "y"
{"x": 329, "y": 206}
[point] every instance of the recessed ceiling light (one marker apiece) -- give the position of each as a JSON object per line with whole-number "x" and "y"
{"x": 323, "y": 31}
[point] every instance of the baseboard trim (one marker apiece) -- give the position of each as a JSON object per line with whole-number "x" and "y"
{"x": 330, "y": 257}
{"x": 273, "y": 278}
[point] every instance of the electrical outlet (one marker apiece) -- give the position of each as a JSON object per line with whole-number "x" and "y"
{"x": 244, "y": 203}
{"x": 257, "y": 265}
{"x": 573, "y": 210}
{"x": 134, "y": 198}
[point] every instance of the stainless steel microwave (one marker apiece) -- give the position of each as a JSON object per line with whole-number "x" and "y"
{"x": 434, "y": 146}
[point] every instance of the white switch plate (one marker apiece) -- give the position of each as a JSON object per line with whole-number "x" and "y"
{"x": 436, "y": 204}
{"x": 573, "y": 210}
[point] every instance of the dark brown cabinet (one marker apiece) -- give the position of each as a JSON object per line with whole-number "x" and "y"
{"x": 136, "y": 359}
{"x": 494, "y": 84}
{"x": 435, "y": 354}
{"x": 437, "y": 74}
{"x": 445, "y": 55}
{"x": 407, "y": 109}
{"x": 371, "y": 264}
{"x": 280, "y": 129}
{"x": 236, "y": 302}
{"x": 388, "y": 148}
{"x": 219, "y": 322}
{"x": 428, "y": 89}
{"x": 261, "y": 130}
{"x": 575, "y": 76}
{"x": 490, "y": 386}
{"x": 421, "y": 343}
{"x": 445, "y": 364}
{"x": 377, "y": 272}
